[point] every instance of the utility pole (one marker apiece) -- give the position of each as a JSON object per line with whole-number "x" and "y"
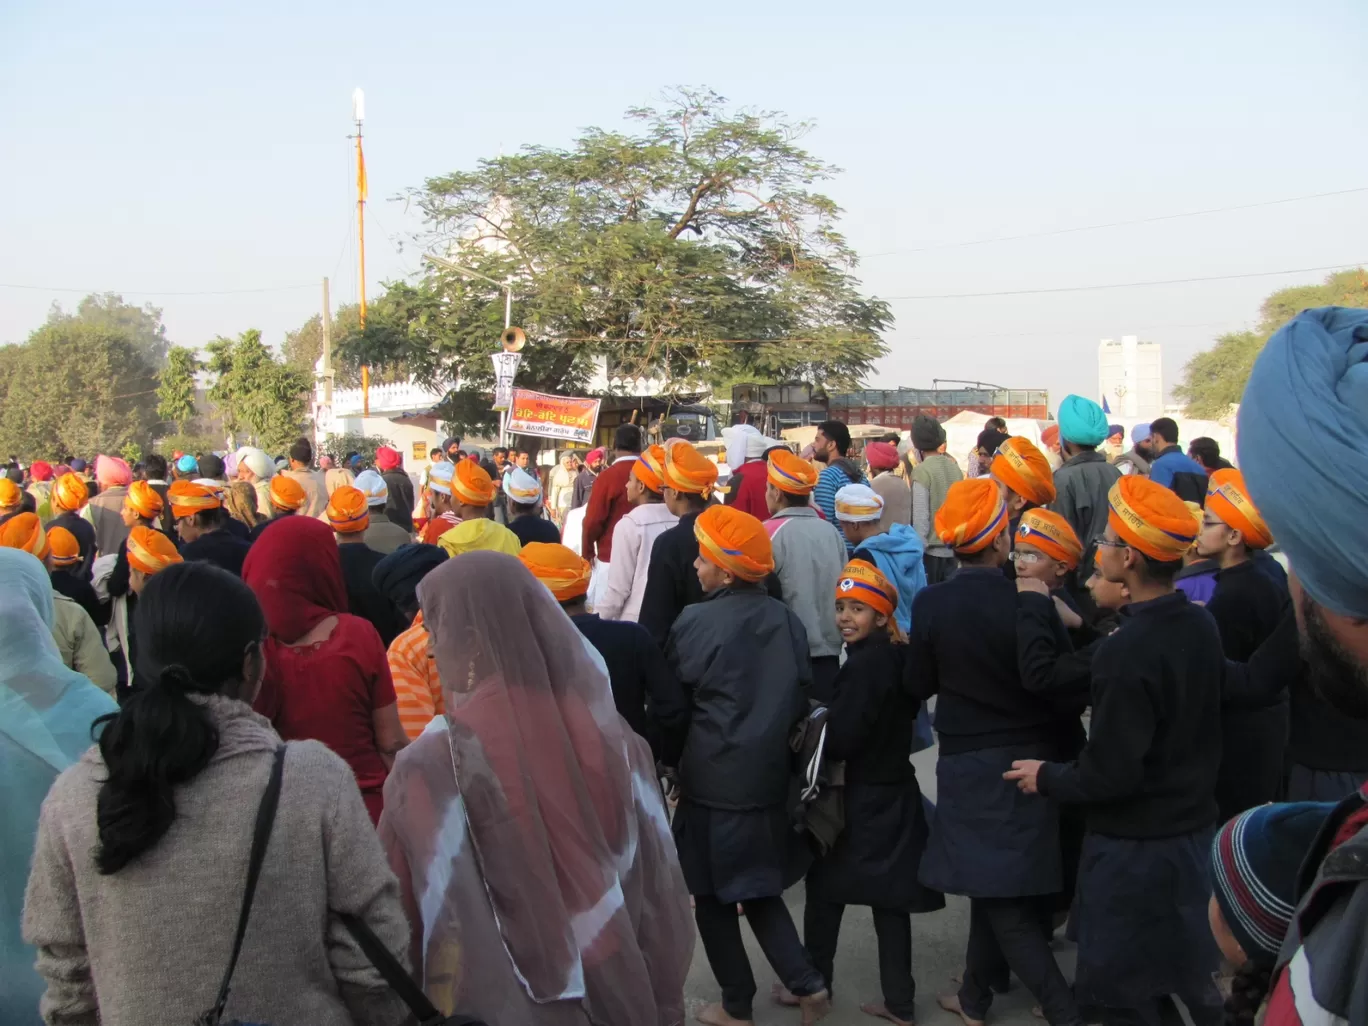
{"x": 327, "y": 347}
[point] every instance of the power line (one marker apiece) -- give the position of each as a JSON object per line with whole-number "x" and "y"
{"x": 145, "y": 292}
{"x": 1128, "y": 284}
{"x": 1115, "y": 224}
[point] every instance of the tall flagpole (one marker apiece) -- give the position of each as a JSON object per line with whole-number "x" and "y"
{"x": 359, "y": 114}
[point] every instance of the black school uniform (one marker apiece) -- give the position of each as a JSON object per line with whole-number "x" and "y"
{"x": 364, "y": 599}
{"x": 1247, "y": 606}
{"x": 671, "y": 580}
{"x": 876, "y": 858}
{"x": 1147, "y": 779}
{"x": 84, "y": 533}
{"x": 224, "y": 548}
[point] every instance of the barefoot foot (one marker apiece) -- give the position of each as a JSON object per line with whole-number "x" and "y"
{"x": 716, "y": 1015}
{"x": 951, "y": 1003}
{"x": 783, "y": 996}
{"x": 815, "y": 1007}
{"x": 880, "y": 1011}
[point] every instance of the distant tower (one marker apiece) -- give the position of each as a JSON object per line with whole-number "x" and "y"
{"x": 1130, "y": 376}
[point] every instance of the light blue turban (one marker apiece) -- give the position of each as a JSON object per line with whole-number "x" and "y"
{"x": 1303, "y": 445}
{"x": 1082, "y": 421}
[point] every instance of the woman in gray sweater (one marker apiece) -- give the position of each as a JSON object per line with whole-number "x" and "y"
{"x": 143, "y": 845}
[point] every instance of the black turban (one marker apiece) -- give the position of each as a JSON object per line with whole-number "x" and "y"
{"x": 397, "y": 575}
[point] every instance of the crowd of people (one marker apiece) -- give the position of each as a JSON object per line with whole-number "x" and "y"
{"x": 505, "y": 744}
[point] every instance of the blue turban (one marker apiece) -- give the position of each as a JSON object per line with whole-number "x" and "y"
{"x": 1115, "y": 429}
{"x": 1082, "y": 421}
{"x": 1303, "y": 445}
{"x": 1140, "y": 433}
{"x": 187, "y": 464}
{"x": 397, "y": 575}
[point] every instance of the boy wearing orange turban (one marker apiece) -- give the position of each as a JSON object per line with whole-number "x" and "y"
{"x": 25, "y": 532}
{"x": 65, "y": 550}
{"x": 149, "y": 552}
{"x": 870, "y": 728}
{"x": 202, "y": 524}
{"x": 1024, "y": 474}
{"x": 68, "y": 498}
{"x": 142, "y": 506}
{"x": 286, "y": 497}
{"x": 1146, "y": 778}
{"x": 741, "y": 666}
{"x": 1248, "y": 604}
{"x": 11, "y": 497}
{"x": 962, "y": 647}
{"x": 634, "y": 537}
{"x": 348, "y": 514}
{"x": 671, "y": 581}
{"x": 809, "y": 552}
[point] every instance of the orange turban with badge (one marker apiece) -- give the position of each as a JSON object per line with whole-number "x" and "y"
{"x": 69, "y": 494}
{"x": 66, "y": 550}
{"x": 563, "y": 572}
{"x": 688, "y": 470}
{"x": 1228, "y": 499}
{"x": 471, "y": 485}
{"x": 649, "y": 467}
{"x": 25, "y": 532}
{"x": 862, "y": 582}
{"x": 972, "y": 515}
{"x": 1051, "y": 534}
{"x": 790, "y": 473}
{"x": 143, "y": 499}
{"x": 287, "y": 493}
{"x": 348, "y": 511}
{"x": 11, "y": 495}
{"x": 1024, "y": 469}
{"x": 1150, "y": 518}
{"x": 734, "y": 541}
{"x": 150, "y": 551}
{"x": 188, "y": 498}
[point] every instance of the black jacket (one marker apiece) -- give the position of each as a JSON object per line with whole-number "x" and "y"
{"x": 963, "y": 647}
{"x": 1149, "y": 768}
{"x": 645, "y": 691}
{"x": 671, "y": 581}
{"x": 399, "y": 505}
{"x": 1247, "y": 606}
{"x": 363, "y": 597}
{"x": 872, "y": 717}
{"x": 222, "y": 548}
{"x": 82, "y": 592}
{"x": 744, "y": 657}
{"x": 84, "y": 534}
{"x": 534, "y": 529}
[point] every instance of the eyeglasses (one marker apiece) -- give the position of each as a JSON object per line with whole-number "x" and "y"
{"x": 1212, "y": 523}
{"x": 1104, "y": 543}
{"x": 1026, "y": 558}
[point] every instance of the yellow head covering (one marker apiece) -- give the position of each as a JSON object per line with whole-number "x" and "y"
{"x": 688, "y": 470}
{"x": 25, "y": 532}
{"x": 471, "y": 484}
{"x": 66, "y": 550}
{"x": 11, "y": 495}
{"x": 734, "y": 541}
{"x": 1024, "y": 469}
{"x": 972, "y": 515}
{"x": 347, "y": 511}
{"x": 69, "y": 494}
{"x": 188, "y": 498}
{"x": 143, "y": 499}
{"x": 1150, "y": 518}
{"x": 649, "y": 466}
{"x": 479, "y": 534}
{"x": 150, "y": 551}
{"x": 791, "y": 474}
{"x": 563, "y": 572}
{"x": 1228, "y": 499}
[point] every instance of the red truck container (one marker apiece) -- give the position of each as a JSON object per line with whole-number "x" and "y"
{"x": 897, "y": 408}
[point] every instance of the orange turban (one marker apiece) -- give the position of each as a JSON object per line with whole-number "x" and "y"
{"x": 347, "y": 510}
{"x": 66, "y": 550}
{"x": 11, "y": 495}
{"x": 861, "y": 582}
{"x": 150, "y": 551}
{"x": 188, "y": 498}
{"x": 649, "y": 467}
{"x": 734, "y": 541}
{"x": 25, "y": 532}
{"x": 1050, "y": 436}
{"x": 972, "y": 515}
{"x": 563, "y": 572}
{"x": 471, "y": 484}
{"x": 287, "y": 493}
{"x": 791, "y": 474}
{"x": 1228, "y": 499}
{"x": 1024, "y": 469}
{"x": 688, "y": 470}
{"x": 143, "y": 499}
{"x": 1051, "y": 534}
{"x": 1151, "y": 518}
{"x": 69, "y": 494}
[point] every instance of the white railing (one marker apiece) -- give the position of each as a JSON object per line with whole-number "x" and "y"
{"x": 385, "y": 398}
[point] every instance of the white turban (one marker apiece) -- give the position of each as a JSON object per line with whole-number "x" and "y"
{"x": 373, "y": 487}
{"x": 858, "y": 504}
{"x": 522, "y": 487}
{"x": 256, "y": 461}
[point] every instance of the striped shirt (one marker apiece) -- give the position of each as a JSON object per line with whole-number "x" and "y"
{"x": 416, "y": 686}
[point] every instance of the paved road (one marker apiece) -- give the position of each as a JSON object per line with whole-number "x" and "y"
{"x": 937, "y": 953}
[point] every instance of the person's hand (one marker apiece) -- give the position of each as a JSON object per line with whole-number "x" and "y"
{"x": 1026, "y": 773}
{"x": 1067, "y": 616}
{"x": 1031, "y": 584}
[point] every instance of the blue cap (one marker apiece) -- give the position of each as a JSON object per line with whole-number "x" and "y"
{"x": 187, "y": 464}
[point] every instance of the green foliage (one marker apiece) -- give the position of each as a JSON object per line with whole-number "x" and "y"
{"x": 337, "y": 446}
{"x": 176, "y": 387}
{"x": 1214, "y": 380}
{"x": 304, "y": 346}
{"x": 187, "y": 442}
{"x": 693, "y": 250}
{"x": 141, "y": 325}
{"x": 75, "y": 388}
{"x": 132, "y": 452}
{"x": 259, "y": 397}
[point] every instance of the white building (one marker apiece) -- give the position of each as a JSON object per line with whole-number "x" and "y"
{"x": 1131, "y": 377}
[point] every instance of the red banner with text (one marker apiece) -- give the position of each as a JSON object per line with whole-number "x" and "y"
{"x": 553, "y": 416}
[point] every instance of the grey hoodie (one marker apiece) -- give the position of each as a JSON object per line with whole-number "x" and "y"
{"x": 809, "y": 555}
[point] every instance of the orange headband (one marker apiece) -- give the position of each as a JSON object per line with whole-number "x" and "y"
{"x": 471, "y": 485}
{"x": 25, "y": 532}
{"x": 11, "y": 495}
{"x": 347, "y": 511}
{"x": 66, "y": 550}
{"x": 287, "y": 493}
{"x": 860, "y": 582}
{"x": 69, "y": 494}
{"x": 734, "y": 541}
{"x": 1051, "y": 534}
{"x": 187, "y": 499}
{"x": 143, "y": 499}
{"x": 563, "y": 572}
{"x": 1024, "y": 469}
{"x": 790, "y": 474}
{"x": 1228, "y": 499}
{"x": 972, "y": 515}
{"x": 150, "y": 551}
{"x": 1150, "y": 518}
{"x": 688, "y": 470}
{"x": 649, "y": 467}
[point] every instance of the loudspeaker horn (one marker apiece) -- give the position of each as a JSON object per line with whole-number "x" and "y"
{"x": 513, "y": 339}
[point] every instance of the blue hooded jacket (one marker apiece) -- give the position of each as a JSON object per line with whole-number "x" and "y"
{"x": 898, "y": 556}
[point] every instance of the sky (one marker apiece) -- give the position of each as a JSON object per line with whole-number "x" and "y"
{"x": 170, "y": 151}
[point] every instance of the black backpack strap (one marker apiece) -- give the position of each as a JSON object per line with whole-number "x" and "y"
{"x": 398, "y": 978}
{"x": 261, "y": 837}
